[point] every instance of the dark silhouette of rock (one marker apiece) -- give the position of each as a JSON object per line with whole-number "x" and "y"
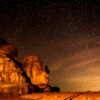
{"x": 47, "y": 89}
{"x": 18, "y": 60}
{"x": 55, "y": 89}
{"x": 2, "y": 42}
{"x": 47, "y": 70}
{"x": 51, "y": 89}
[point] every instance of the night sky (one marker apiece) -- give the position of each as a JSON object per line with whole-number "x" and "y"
{"x": 65, "y": 35}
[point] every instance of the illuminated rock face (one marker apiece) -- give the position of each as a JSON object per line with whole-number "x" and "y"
{"x": 10, "y": 71}
{"x": 12, "y": 80}
{"x": 36, "y": 71}
{"x": 18, "y": 78}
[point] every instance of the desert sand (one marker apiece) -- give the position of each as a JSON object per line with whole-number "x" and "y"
{"x": 64, "y": 96}
{"x": 57, "y": 96}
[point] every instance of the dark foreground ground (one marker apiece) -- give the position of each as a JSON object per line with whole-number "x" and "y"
{"x": 57, "y": 96}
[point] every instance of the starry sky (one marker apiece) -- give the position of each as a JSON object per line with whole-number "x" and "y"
{"x": 65, "y": 35}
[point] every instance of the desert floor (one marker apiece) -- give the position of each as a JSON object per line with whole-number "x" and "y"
{"x": 57, "y": 96}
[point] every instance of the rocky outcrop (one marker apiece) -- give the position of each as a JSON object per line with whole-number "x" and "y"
{"x": 36, "y": 71}
{"x": 17, "y": 77}
{"x": 9, "y": 50}
{"x": 11, "y": 77}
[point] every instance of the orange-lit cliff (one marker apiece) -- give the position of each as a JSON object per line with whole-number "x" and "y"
{"x": 17, "y": 77}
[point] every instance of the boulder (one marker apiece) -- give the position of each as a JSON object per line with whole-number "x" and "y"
{"x": 36, "y": 71}
{"x": 9, "y": 50}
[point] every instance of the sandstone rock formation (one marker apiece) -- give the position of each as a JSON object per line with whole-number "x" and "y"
{"x": 17, "y": 77}
{"x": 10, "y": 71}
{"x": 9, "y": 50}
{"x": 36, "y": 71}
{"x": 11, "y": 77}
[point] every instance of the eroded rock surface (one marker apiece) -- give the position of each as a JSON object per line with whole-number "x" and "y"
{"x": 36, "y": 71}
{"x": 10, "y": 72}
{"x": 17, "y": 77}
{"x": 11, "y": 77}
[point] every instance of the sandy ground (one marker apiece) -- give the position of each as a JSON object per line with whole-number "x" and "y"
{"x": 57, "y": 96}
{"x": 64, "y": 96}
